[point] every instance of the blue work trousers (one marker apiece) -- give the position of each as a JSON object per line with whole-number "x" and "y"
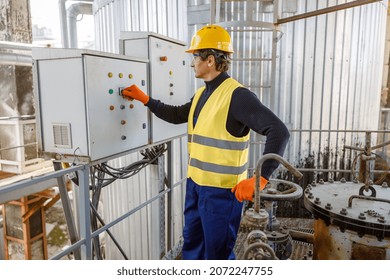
{"x": 212, "y": 219}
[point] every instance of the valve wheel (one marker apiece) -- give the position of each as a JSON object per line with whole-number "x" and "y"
{"x": 281, "y": 190}
{"x": 259, "y": 251}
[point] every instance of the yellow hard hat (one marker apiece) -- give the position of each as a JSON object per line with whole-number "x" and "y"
{"x": 211, "y": 37}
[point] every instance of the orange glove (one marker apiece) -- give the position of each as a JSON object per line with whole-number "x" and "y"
{"x": 245, "y": 189}
{"x": 134, "y": 92}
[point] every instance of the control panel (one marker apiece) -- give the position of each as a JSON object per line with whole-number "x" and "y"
{"x": 81, "y": 112}
{"x": 167, "y": 71}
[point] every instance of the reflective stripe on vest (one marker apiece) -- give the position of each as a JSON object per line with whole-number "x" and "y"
{"x": 216, "y": 158}
{"x": 218, "y": 168}
{"x": 222, "y": 144}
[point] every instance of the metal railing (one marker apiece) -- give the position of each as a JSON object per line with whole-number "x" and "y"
{"x": 82, "y": 237}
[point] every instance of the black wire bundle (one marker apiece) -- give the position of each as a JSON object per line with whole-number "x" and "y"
{"x": 111, "y": 174}
{"x": 103, "y": 175}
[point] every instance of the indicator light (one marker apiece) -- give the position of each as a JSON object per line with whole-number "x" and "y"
{"x": 130, "y": 76}
{"x": 110, "y": 75}
{"x": 112, "y": 107}
{"x": 120, "y": 75}
{"x": 110, "y": 91}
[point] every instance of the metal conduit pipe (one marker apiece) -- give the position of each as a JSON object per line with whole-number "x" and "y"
{"x": 15, "y": 46}
{"x": 15, "y": 59}
{"x": 64, "y": 22}
{"x": 11, "y": 58}
{"x": 71, "y": 13}
{"x": 301, "y": 236}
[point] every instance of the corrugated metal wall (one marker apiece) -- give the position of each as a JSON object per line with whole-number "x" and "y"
{"x": 326, "y": 81}
{"x": 142, "y": 235}
{"x": 166, "y": 17}
{"x": 329, "y": 76}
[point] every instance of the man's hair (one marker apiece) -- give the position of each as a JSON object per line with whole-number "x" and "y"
{"x": 222, "y": 59}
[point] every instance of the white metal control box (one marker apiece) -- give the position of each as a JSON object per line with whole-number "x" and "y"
{"x": 167, "y": 75}
{"x": 80, "y": 110}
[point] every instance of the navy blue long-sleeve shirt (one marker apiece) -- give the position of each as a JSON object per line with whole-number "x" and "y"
{"x": 246, "y": 112}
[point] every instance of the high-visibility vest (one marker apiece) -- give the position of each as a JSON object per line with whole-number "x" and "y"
{"x": 216, "y": 158}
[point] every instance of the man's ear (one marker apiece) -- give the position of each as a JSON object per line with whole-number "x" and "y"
{"x": 210, "y": 60}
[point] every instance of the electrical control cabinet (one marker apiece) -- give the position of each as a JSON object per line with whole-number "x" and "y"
{"x": 81, "y": 111}
{"x": 167, "y": 70}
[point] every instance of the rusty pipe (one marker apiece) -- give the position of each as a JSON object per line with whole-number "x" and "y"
{"x": 302, "y": 236}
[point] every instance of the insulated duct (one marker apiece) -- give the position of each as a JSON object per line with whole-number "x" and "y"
{"x": 15, "y": 59}
{"x": 68, "y": 18}
{"x": 71, "y": 13}
{"x": 11, "y": 58}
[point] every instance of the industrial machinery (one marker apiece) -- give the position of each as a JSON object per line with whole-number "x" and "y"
{"x": 262, "y": 237}
{"x": 352, "y": 219}
{"x": 167, "y": 74}
{"x": 81, "y": 113}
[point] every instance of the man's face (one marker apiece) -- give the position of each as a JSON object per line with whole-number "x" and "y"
{"x": 200, "y": 66}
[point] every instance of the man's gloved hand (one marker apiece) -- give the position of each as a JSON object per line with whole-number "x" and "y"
{"x": 134, "y": 92}
{"x": 245, "y": 189}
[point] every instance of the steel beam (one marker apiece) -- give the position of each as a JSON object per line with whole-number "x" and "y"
{"x": 326, "y": 10}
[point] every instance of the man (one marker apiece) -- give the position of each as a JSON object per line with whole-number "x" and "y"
{"x": 219, "y": 116}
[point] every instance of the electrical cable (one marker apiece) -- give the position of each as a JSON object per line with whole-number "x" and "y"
{"x": 109, "y": 233}
{"x": 94, "y": 225}
{"x": 114, "y": 173}
{"x": 102, "y": 175}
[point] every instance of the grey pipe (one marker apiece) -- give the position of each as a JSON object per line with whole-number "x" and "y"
{"x": 15, "y": 59}
{"x": 15, "y": 46}
{"x": 10, "y": 58}
{"x": 71, "y": 14}
{"x": 63, "y": 23}
{"x": 278, "y": 158}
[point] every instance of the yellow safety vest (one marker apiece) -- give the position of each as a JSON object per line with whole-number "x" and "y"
{"x": 216, "y": 158}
